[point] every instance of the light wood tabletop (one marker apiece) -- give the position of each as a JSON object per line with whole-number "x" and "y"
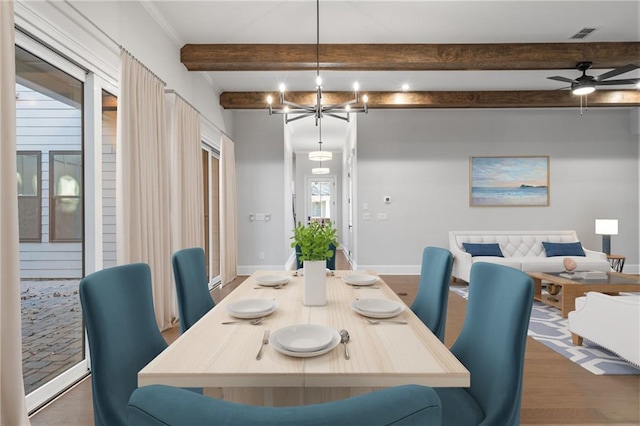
{"x": 222, "y": 358}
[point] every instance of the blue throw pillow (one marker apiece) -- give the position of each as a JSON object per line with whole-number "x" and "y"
{"x": 483, "y": 249}
{"x": 563, "y": 249}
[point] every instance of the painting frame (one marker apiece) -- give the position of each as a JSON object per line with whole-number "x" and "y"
{"x": 509, "y": 181}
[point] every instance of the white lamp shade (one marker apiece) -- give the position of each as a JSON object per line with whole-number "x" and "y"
{"x": 320, "y": 156}
{"x": 607, "y": 226}
{"x": 320, "y": 171}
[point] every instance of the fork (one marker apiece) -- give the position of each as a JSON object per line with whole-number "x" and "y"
{"x": 382, "y": 321}
{"x": 265, "y": 340}
{"x": 252, "y": 322}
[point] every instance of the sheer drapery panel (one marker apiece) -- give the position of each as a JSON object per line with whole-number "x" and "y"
{"x": 187, "y": 189}
{"x": 13, "y": 408}
{"x": 228, "y": 211}
{"x": 142, "y": 181}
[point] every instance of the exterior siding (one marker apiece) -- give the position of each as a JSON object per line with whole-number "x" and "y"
{"x": 45, "y": 124}
{"x": 109, "y": 188}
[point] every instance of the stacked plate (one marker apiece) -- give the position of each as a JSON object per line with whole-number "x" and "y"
{"x": 252, "y": 308}
{"x": 304, "y": 340}
{"x": 359, "y": 279}
{"x": 272, "y": 280}
{"x": 377, "y": 308}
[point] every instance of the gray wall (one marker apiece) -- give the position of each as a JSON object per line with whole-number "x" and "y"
{"x": 260, "y": 183}
{"x": 421, "y": 159}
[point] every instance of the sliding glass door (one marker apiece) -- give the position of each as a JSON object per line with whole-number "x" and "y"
{"x": 211, "y": 177}
{"x": 65, "y": 137}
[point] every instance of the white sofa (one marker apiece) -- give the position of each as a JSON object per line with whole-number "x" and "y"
{"x": 522, "y": 250}
{"x": 612, "y": 322}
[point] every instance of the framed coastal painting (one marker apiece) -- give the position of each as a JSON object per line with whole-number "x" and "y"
{"x": 508, "y": 181}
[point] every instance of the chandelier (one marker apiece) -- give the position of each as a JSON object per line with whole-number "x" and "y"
{"x": 293, "y": 111}
{"x": 320, "y": 155}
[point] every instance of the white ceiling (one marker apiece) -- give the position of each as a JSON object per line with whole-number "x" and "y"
{"x": 366, "y": 21}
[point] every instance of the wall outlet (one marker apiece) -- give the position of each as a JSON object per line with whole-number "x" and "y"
{"x": 262, "y": 255}
{"x": 366, "y": 216}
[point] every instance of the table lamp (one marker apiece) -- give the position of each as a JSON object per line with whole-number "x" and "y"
{"x": 606, "y": 228}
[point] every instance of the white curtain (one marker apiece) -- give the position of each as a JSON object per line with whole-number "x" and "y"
{"x": 13, "y": 408}
{"x": 187, "y": 187}
{"x": 142, "y": 181}
{"x": 228, "y": 211}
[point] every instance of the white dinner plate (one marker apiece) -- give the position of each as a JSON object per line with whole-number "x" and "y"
{"x": 272, "y": 280}
{"x": 377, "y": 308}
{"x": 252, "y": 308}
{"x": 359, "y": 279}
{"x": 273, "y": 341}
{"x": 305, "y": 337}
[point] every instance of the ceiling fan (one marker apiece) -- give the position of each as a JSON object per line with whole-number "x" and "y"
{"x": 586, "y": 84}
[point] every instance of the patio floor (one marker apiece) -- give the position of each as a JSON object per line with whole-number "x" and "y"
{"x": 52, "y": 333}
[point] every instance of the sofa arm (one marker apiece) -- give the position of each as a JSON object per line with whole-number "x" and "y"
{"x": 612, "y": 322}
{"x": 595, "y": 254}
{"x": 461, "y": 260}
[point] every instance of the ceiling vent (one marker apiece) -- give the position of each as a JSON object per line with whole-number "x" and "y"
{"x": 583, "y": 33}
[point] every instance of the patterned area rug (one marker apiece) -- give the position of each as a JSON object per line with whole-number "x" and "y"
{"x": 549, "y": 328}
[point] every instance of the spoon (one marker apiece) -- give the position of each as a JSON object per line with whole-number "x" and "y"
{"x": 252, "y": 322}
{"x": 344, "y": 338}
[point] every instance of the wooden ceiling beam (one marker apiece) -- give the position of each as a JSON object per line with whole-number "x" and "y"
{"x": 444, "y": 99}
{"x": 404, "y": 57}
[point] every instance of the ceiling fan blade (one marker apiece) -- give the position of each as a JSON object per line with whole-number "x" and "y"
{"x": 617, "y": 71}
{"x": 617, "y": 82}
{"x": 562, "y": 79}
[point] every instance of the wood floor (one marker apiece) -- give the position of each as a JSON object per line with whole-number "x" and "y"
{"x": 556, "y": 391}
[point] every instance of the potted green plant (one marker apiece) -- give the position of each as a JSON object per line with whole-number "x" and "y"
{"x": 313, "y": 243}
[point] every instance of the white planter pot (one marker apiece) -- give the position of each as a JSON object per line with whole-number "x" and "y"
{"x": 315, "y": 283}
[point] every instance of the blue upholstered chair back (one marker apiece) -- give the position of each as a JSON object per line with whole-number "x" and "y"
{"x": 194, "y": 299}
{"x": 492, "y": 341}
{"x": 117, "y": 306}
{"x": 430, "y": 304}
{"x": 331, "y": 263}
{"x": 399, "y": 406}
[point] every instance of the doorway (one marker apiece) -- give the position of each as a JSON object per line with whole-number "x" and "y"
{"x": 320, "y": 199}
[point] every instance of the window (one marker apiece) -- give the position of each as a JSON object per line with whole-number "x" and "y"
{"x": 65, "y": 209}
{"x": 29, "y": 171}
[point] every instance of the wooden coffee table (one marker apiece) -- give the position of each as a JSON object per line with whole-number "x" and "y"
{"x": 570, "y": 289}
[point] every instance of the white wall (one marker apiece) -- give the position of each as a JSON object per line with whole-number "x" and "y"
{"x": 421, "y": 159}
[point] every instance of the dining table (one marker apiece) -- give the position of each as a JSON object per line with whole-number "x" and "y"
{"x": 221, "y": 358}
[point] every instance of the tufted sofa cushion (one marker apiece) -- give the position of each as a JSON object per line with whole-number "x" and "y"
{"x": 522, "y": 250}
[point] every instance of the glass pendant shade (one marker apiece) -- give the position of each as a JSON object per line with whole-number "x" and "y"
{"x": 320, "y": 156}
{"x": 320, "y": 170}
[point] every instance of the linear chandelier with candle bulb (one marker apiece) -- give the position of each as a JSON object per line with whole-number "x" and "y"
{"x": 320, "y": 155}
{"x": 293, "y": 111}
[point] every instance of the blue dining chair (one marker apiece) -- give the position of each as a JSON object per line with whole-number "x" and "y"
{"x": 190, "y": 274}
{"x": 491, "y": 346}
{"x": 159, "y": 405}
{"x": 117, "y": 307}
{"x": 430, "y": 304}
